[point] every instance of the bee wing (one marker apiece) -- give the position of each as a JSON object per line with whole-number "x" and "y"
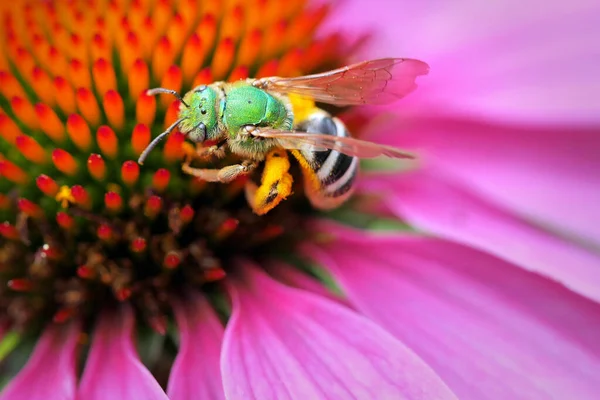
{"x": 375, "y": 82}
{"x": 293, "y": 140}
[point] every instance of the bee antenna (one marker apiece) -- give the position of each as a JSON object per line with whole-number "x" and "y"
{"x": 156, "y": 140}
{"x": 155, "y": 91}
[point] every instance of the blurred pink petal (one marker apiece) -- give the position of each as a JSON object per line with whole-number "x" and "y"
{"x": 549, "y": 175}
{"x": 533, "y": 61}
{"x": 113, "y": 369}
{"x": 195, "y": 373}
{"x": 50, "y": 371}
{"x": 440, "y": 206}
{"x": 490, "y": 329}
{"x": 285, "y": 343}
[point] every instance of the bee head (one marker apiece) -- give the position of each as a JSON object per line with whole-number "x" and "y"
{"x": 199, "y": 114}
{"x": 198, "y": 117}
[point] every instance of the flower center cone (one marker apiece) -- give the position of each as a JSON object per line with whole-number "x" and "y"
{"x": 83, "y": 227}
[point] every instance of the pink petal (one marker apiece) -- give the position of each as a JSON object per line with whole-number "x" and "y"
{"x": 534, "y": 62}
{"x": 50, "y": 371}
{"x": 547, "y": 175}
{"x": 195, "y": 373}
{"x": 113, "y": 369}
{"x": 293, "y": 277}
{"x": 284, "y": 343}
{"x": 488, "y": 328}
{"x": 439, "y": 206}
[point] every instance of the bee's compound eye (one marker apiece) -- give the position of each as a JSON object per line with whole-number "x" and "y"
{"x": 201, "y": 132}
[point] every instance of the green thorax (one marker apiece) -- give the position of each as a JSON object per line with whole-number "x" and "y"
{"x": 247, "y": 105}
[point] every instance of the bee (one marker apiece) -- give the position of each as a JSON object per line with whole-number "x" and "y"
{"x": 254, "y": 119}
{"x": 329, "y": 175}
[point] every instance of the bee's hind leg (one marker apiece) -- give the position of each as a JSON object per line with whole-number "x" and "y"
{"x": 224, "y": 175}
{"x": 276, "y": 183}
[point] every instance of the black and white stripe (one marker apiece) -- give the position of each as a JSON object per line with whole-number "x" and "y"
{"x": 336, "y": 172}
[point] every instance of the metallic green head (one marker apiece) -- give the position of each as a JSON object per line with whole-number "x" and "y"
{"x": 199, "y": 114}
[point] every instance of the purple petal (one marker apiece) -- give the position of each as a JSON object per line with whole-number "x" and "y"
{"x": 113, "y": 369}
{"x": 534, "y": 62}
{"x": 285, "y": 343}
{"x": 293, "y": 277}
{"x": 50, "y": 371}
{"x": 547, "y": 175}
{"x": 195, "y": 373}
{"x": 490, "y": 329}
{"x": 444, "y": 208}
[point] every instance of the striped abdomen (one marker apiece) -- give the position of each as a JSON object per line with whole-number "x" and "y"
{"x": 329, "y": 175}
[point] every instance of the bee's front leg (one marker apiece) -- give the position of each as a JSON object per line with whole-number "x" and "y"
{"x": 217, "y": 151}
{"x": 224, "y": 175}
{"x": 203, "y": 153}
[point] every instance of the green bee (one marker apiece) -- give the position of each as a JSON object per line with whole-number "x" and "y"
{"x": 254, "y": 117}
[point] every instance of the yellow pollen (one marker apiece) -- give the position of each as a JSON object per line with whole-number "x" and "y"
{"x": 64, "y": 196}
{"x": 302, "y": 106}
{"x": 276, "y": 183}
{"x": 113, "y": 187}
{"x": 188, "y": 149}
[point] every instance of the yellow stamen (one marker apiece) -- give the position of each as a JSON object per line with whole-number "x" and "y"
{"x": 64, "y": 196}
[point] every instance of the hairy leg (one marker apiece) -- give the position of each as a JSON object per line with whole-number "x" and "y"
{"x": 276, "y": 183}
{"x": 205, "y": 153}
{"x": 224, "y": 175}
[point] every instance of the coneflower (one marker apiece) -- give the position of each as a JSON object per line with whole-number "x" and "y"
{"x": 94, "y": 246}
{"x": 121, "y": 281}
{"x": 84, "y": 226}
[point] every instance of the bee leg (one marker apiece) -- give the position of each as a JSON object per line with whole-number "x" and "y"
{"x": 232, "y": 172}
{"x": 223, "y": 175}
{"x": 276, "y": 183}
{"x": 206, "y": 174}
{"x": 204, "y": 153}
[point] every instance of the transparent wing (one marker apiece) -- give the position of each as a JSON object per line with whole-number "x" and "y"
{"x": 375, "y": 82}
{"x": 320, "y": 142}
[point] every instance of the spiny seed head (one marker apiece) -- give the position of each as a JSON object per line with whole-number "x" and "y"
{"x": 81, "y": 224}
